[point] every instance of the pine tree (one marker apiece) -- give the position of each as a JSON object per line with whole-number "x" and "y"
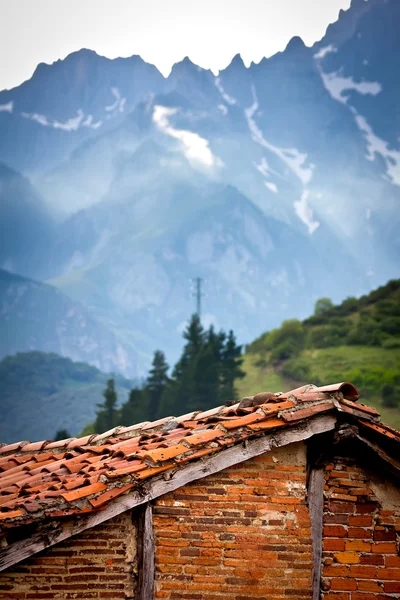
{"x": 156, "y": 383}
{"x": 62, "y": 434}
{"x": 135, "y": 409}
{"x": 107, "y": 414}
{"x": 231, "y": 368}
{"x": 181, "y": 392}
{"x": 194, "y": 336}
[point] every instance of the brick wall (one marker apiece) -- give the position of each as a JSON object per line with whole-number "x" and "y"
{"x": 241, "y": 534}
{"x": 98, "y": 564}
{"x": 361, "y": 535}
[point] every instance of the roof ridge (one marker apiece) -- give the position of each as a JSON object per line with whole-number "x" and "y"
{"x": 95, "y": 438}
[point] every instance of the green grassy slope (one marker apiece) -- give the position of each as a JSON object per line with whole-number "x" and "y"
{"x": 41, "y": 393}
{"x": 357, "y": 341}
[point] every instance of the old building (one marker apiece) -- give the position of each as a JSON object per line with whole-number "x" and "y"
{"x": 281, "y": 496}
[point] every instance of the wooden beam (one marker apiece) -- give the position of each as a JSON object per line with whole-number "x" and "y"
{"x": 316, "y": 508}
{"x": 55, "y": 532}
{"x": 392, "y": 465}
{"x": 146, "y": 552}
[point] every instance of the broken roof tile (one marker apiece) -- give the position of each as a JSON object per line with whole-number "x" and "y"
{"x": 162, "y": 454}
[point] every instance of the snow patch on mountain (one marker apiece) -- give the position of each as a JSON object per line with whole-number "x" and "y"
{"x": 263, "y": 167}
{"x": 305, "y": 213}
{"x": 324, "y": 51}
{"x": 119, "y": 104}
{"x": 229, "y": 99}
{"x": 338, "y": 85}
{"x": 71, "y": 124}
{"x": 271, "y": 186}
{"x": 41, "y": 119}
{"x": 7, "y": 107}
{"x": 375, "y": 145}
{"x": 294, "y": 160}
{"x": 88, "y": 122}
{"x": 195, "y": 148}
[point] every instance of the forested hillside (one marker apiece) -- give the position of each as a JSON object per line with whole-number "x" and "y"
{"x": 357, "y": 341}
{"x": 42, "y": 393}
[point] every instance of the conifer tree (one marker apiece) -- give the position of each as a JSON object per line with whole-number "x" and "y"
{"x": 231, "y": 369}
{"x": 156, "y": 383}
{"x": 62, "y": 434}
{"x": 134, "y": 410}
{"x": 181, "y": 394}
{"x": 107, "y": 415}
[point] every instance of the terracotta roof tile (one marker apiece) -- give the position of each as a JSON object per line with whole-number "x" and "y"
{"x": 12, "y": 514}
{"x": 84, "y": 491}
{"x": 234, "y": 423}
{"x": 383, "y": 430}
{"x": 195, "y": 455}
{"x": 269, "y": 424}
{"x": 145, "y": 473}
{"x": 107, "y": 496}
{"x": 44, "y": 480}
{"x": 162, "y": 454}
{"x": 12, "y": 447}
{"x": 304, "y": 413}
{"x": 128, "y": 470}
{"x": 35, "y": 446}
{"x": 203, "y": 437}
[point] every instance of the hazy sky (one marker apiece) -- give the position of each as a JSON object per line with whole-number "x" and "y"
{"x": 210, "y": 32}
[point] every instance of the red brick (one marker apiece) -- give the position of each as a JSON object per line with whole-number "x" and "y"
{"x": 392, "y": 587}
{"x": 343, "y": 585}
{"x": 334, "y": 531}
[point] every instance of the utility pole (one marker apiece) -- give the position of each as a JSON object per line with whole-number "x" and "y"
{"x": 198, "y": 293}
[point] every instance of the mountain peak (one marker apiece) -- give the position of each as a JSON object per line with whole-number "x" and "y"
{"x": 237, "y": 61}
{"x": 295, "y": 44}
{"x": 185, "y": 63}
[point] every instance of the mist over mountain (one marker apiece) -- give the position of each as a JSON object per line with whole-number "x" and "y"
{"x": 277, "y": 184}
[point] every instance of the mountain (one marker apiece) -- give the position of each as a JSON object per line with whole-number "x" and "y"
{"x": 163, "y": 241}
{"x": 43, "y": 393}
{"x": 358, "y": 341}
{"x": 25, "y": 223}
{"x": 36, "y": 316}
{"x": 277, "y": 184}
{"x": 85, "y": 95}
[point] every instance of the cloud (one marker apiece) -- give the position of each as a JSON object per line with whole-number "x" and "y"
{"x": 195, "y": 148}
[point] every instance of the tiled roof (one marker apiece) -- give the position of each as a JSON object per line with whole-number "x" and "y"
{"x": 44, "y": 480}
